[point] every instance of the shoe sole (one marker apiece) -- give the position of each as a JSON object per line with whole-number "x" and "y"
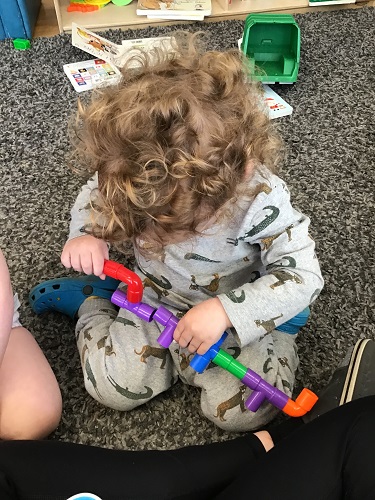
{"x": 63, "y": 294}
{"x": 352, "y": 374}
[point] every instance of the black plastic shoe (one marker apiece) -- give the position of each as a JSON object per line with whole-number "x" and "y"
{"x": 353, "y": 379}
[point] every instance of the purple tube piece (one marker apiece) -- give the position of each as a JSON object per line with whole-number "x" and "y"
{"x": 169, "y": 320}
{"x": 254, "y": 401}
{"x": 162, "y": 315}
{"x": 140, "y": 309}
{"x": 262, "y": 390}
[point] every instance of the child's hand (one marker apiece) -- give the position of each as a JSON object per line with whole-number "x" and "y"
{"x": 202, "y": 326}
{"x": 85, "y": 254}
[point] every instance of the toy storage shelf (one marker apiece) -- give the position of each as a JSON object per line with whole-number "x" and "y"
{"x": 112, "y": 16}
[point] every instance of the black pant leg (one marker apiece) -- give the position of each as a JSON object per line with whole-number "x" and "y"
{"x": 322, "y": 460}
{"x": 330, "y": 458}
{"x": 54, "y": 470}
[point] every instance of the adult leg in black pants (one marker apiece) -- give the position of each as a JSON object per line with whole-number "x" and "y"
{"x": 328, "y": 458}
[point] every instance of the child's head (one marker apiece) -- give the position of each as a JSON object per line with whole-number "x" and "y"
{"x": 173, "y": 142}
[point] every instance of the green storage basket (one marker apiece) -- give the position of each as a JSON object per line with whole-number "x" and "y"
{"x": 271, "y": 42}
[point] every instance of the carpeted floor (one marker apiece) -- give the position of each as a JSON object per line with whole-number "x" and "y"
{"x": 330, "y": 171}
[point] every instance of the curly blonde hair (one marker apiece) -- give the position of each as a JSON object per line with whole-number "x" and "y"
{"x": 172, "y": 142}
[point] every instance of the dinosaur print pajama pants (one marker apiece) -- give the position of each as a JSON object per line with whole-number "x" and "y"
{"x": 124, "y": 366}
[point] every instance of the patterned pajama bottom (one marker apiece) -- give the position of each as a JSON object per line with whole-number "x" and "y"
{"x": 125, "y": 367}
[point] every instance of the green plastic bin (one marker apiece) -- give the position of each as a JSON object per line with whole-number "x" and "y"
{"x": 272, "y": 42}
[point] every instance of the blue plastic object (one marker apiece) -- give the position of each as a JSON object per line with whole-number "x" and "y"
{"x": 200, "y": 361}
{"x": 66, "y": 295}
{"x": 18, "y": 17}
{"x": 296, "y": 323}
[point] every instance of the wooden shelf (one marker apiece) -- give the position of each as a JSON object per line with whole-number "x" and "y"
{"x": 112, "y": 16}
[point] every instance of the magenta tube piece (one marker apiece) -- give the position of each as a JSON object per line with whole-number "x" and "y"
{"x": 143, "y": 311}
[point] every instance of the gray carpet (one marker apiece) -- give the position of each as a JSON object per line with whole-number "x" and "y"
{"x": 330, "y": 171}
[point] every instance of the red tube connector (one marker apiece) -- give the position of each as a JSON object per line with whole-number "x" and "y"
{"x": 119, "y": 272}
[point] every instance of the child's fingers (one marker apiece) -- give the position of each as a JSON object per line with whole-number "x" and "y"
{"x": 86, "y": 263}
{"x": 203, "y": 348}
{"x": 65, "y": 260}
{"x": 177, "y": 334}
{"x": 98, "y": 264}
{"x": 76, "y": 262}
{"x": 98, "y": 257}
{"x": 184, "y": 339}
{"x": 193, "y": 346}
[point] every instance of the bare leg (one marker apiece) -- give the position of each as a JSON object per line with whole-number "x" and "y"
{"x": 30, "y": 398}
{"x": 265, "y": 438}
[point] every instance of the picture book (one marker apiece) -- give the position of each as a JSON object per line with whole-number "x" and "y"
{"x": 95, "y": 45}
{"x": 110, "y": 56}
{"x": 319, "y": 3}
{"x": 184, "y": 17}
{"x": 145, "y": 44}
{"x": 110, "y": 52}
{"x": 173, "y": 7}
{"x": 276, "y": 105}
{"x": 86, "y": 75}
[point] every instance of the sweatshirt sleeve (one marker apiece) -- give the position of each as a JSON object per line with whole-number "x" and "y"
{"x": 80, "y": 213}
{"x": 291, "y": 278}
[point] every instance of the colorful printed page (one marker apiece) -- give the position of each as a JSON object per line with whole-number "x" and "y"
{"x": 86, "y": 75}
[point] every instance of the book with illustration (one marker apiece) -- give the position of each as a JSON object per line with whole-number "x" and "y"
{"x": 275, "y": 104}
{"x": 112, "y": 53}
{"x": 104, "y": 70}
{"x": 174, "y": 9}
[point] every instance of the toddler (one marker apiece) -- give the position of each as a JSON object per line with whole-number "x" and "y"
{"x": 30, "y": 399}
{"x": 183, "y": 161}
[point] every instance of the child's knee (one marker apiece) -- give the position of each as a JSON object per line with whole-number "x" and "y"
{"x": 35, "y": 418}
{"x": 49, "y": 417}
{"x": 114, "y": 390}
{"x": 124, "y": 401}
{"x": 238, "y": 419}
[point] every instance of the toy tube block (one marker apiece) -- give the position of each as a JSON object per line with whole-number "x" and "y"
{"x": 303, "y": 403}
{"x": 229, "y": 364}
{"x": 254, "y": 401}
{"x": 258, "y": 385}
{"x": 261, "y": 389}
{"x": 121, "y": 273}
{"x": 169, "y": 320}
{"x": 200, "y": 361}
{"x": 143, "y": 311}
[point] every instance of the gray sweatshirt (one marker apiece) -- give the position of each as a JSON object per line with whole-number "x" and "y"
{"x": 261, "y": 263}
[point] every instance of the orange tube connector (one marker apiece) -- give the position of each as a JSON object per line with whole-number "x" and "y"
{"x": 303, "y": 403}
